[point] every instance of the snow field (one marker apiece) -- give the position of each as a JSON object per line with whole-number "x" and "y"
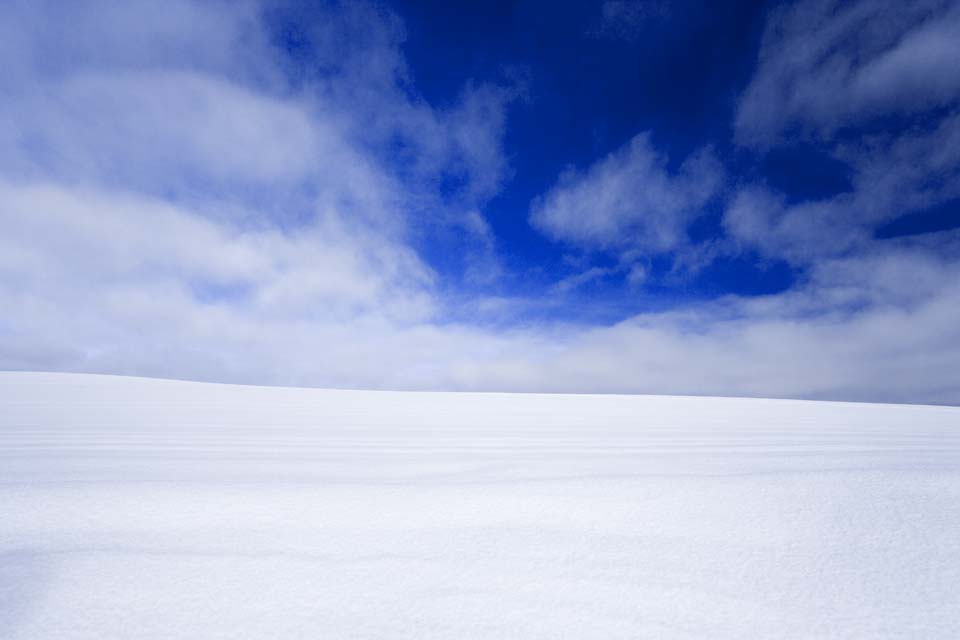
{"x": 141, "y": 508}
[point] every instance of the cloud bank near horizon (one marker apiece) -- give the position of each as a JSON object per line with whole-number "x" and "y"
{"x": 180, "y": 198}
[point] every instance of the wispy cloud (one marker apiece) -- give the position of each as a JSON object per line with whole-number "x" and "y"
{"x": 629, "y": 201}
{"x": 827, "y": 72}
{"x": 164, "y": 179}
{"x": 627, "y": 19}
{"x": 825, "y": 64}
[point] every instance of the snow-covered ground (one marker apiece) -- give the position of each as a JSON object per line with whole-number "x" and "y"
{"x": 134, "y": 508}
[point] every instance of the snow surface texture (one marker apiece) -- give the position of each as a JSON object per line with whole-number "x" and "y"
{"x": 136, "y": 508}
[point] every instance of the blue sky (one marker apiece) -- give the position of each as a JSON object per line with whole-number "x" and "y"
{"x": 742, "y": 198}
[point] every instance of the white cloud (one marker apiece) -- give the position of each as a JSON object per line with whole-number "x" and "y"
{"x": 919, "y": 168}
{"x": 79, "y": 240}
{"x": 801, "y": 233}
{"x": 360, "y": 66}
{"x": 826, "y": 64}
{"x": 629, "y": 200}
{"x": 87, "y": 286}
{"x": 581, "y": 279}
{"x": 892, "y": 176}
{"x": 827, "y": 71}
{"x": 172, "y": 204}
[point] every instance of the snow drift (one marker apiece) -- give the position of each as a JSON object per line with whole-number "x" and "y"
{"x": 135, "y": 508}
